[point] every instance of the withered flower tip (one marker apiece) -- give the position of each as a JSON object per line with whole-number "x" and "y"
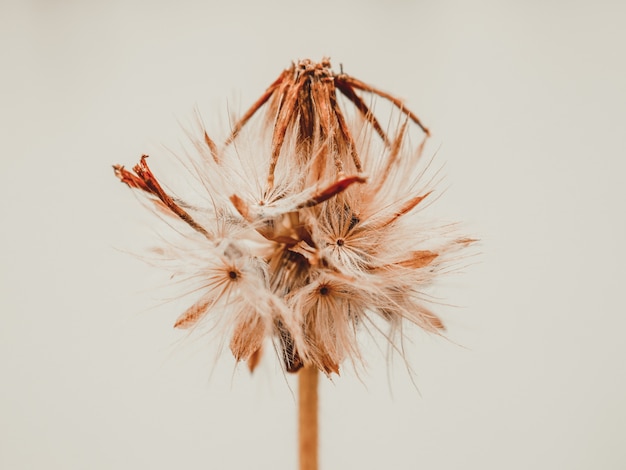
{"x": 308, "y": 227}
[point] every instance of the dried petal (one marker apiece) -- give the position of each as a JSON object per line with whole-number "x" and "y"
{"x": 248, "y": 336}
{"x": 419, "y": 259}
{"x": 193, "y": 314}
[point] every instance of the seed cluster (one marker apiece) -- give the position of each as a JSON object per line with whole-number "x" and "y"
{"x": 308, "y": 234}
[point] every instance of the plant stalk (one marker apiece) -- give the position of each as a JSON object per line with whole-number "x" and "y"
{"x": 308, "y": 417}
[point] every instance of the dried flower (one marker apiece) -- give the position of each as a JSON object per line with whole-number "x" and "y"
{"x": 305, "y": 234}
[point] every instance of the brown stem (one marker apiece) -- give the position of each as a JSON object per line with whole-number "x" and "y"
{"x": 307, "y": 417}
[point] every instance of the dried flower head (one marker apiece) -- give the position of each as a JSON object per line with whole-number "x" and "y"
{"x": 308, "y": 227}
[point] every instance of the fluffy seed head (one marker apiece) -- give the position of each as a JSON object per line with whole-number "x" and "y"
{"x": 309, "y": 224}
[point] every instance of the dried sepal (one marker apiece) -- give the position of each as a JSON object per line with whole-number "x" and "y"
{"x": 146, "y": 181}
{"x": 303, "y": 100}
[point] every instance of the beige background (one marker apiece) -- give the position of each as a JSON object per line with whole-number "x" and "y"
{"x": 528, "y": 102}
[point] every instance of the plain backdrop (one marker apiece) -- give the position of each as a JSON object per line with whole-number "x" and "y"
{"x": 527, "y": 102}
